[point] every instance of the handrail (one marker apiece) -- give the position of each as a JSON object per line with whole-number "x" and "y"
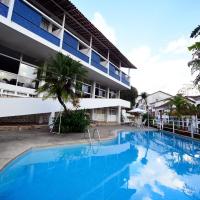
{"x": 190, "y": 125}
{"x": 97, "y": 131}
{"x": 89, "y": 136}
{"x": 93, "y": 135}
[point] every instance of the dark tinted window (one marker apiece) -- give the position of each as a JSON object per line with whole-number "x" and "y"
{"x": 9, "y": 65}
{"x": 10, "y": 52}
{"x": 31, "y": 60}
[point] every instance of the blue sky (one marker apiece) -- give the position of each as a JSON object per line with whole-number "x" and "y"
{"x": 153, "y": 34}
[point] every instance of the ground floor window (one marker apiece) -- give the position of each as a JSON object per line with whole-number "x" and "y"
{"x": 100, "y": 91}
{"x": 15, "y": 73}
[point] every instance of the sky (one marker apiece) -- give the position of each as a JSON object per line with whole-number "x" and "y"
{"x": 152, "y": 34}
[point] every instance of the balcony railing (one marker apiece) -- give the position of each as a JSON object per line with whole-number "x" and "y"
{"x": 114, "y": 71}
{"x": 32, "y": 19}
{"x": 3, "y": 10}
{"x": 70, "y": 44}
{"x": 125, "y": 79}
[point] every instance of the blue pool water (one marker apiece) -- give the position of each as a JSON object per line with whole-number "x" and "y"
{"x": 140, "y": 165}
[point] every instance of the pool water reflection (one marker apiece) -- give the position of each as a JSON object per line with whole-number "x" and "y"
{"x": 139, "y": 165}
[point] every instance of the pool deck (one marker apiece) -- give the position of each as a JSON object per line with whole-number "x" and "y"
{"x": 14, "y": 143}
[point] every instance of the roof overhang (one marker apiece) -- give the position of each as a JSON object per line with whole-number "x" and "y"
{"x": 79, "y": 25}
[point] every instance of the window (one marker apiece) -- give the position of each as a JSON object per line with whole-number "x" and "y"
{"x": 83, "y": 48}
{"x": 9, "y": 64}
{"x": 50, "y": 27}
{"x": 86, "y": 89}
{"x": 10, "y": 52}
{"x": 8, "y": 78}
{"x": 5, "y": 2}
{"x": 45, "y": 24}
{"x": 26, "y": 82}
{"x": 113, "y": 94}
{"x": 32, "y": 60}
{"x": 113, "y": 111}
{"x": 27, "y": 71}
{"x": 100, "y": 91}
{"x": 103, "y": 62}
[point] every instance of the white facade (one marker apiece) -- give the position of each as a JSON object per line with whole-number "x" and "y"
{"x": 153, "y": 99}
{"x": 20, "y": 41}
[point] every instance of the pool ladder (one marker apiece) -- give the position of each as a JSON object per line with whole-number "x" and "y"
{"x": 96, "y": 130}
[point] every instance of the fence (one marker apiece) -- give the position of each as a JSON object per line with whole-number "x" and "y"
{"x": 189, "y": 127}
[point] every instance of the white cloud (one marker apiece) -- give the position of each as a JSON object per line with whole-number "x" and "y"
{"x": 165, "y": 70}
{"x": 147, "y": 175}
{"x": 179, "y": 45}
{"x": 100, "y": 22}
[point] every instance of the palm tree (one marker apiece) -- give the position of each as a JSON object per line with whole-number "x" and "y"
{"x": 195, "y": 62}
{"x": 144, "y": 96}
{"x": 178, "y": 104}
{"x": 59, "y": 75}
{"x": 196, "y": 32}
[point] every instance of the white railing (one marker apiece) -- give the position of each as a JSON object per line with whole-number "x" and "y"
{"x": 189, "y": 126}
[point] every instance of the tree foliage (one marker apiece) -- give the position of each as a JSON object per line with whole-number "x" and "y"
{"x": 144, "y": 96}
{"x": 195, "y": 62}
{"x": 196, "y": 32}
{"x": 59, "y": 75}
{"x": 180, "y": 106}
{"x": 72, "y": 122}
{"x": 129, "y": 95}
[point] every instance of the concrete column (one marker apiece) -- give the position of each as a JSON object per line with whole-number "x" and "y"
{"x": 90, "y": 55}
{"x": 92, "y": 114}
{"x": 51, "y": 119}
{"x": 108, "y": 92}
{"x": 62, "y": 32}
{"x": 42, "y": 82}
{"x": 107, "y": 114}
{"x": 119, "y": 109}
{"x": 10, "y": 11}
{"x": 129, "y": 71}
{"x": 93, "y": 89}
{"x": 108, "y": 58}
{"x": 118, "y": 95}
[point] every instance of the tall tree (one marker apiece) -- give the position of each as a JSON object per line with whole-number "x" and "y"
{"x": 144, "y": 96}
{"x": 129, "y": 95}
{"x": 180, "y": 106}
{"x": 195, "y": 49}
{"x": 59, "y": 75}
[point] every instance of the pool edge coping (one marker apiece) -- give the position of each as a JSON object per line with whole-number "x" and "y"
{"x": 114, "y": 134}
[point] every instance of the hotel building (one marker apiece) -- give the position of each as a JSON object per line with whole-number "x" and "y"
{"x": 31, "y": 31}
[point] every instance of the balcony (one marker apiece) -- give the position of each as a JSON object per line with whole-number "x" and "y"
{"x": 72, "y": 45}
{"x": 96, "y": 61}
{"x": 114, "y": 72}
{"x": 125, "y": 79}
{"x": 3, "y": 9}
{"x": 32, "y": 20}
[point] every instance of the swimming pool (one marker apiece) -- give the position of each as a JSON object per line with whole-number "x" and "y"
{"x": 135, "y": 165}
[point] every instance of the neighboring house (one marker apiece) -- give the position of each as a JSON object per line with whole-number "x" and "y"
{"x": 153, "y": 100}
{"x": 33, "y": 30}
{"x": 158, "y": 103}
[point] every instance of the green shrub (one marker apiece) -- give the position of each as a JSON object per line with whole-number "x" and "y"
{"x": 72, "y": 122}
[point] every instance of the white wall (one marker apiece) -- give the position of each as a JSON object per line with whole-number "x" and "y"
{"x": 26, "y": 106}
{"x": 153, "y": 98}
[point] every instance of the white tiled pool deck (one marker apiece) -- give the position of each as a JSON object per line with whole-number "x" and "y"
{"x": 13, "y": 143}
